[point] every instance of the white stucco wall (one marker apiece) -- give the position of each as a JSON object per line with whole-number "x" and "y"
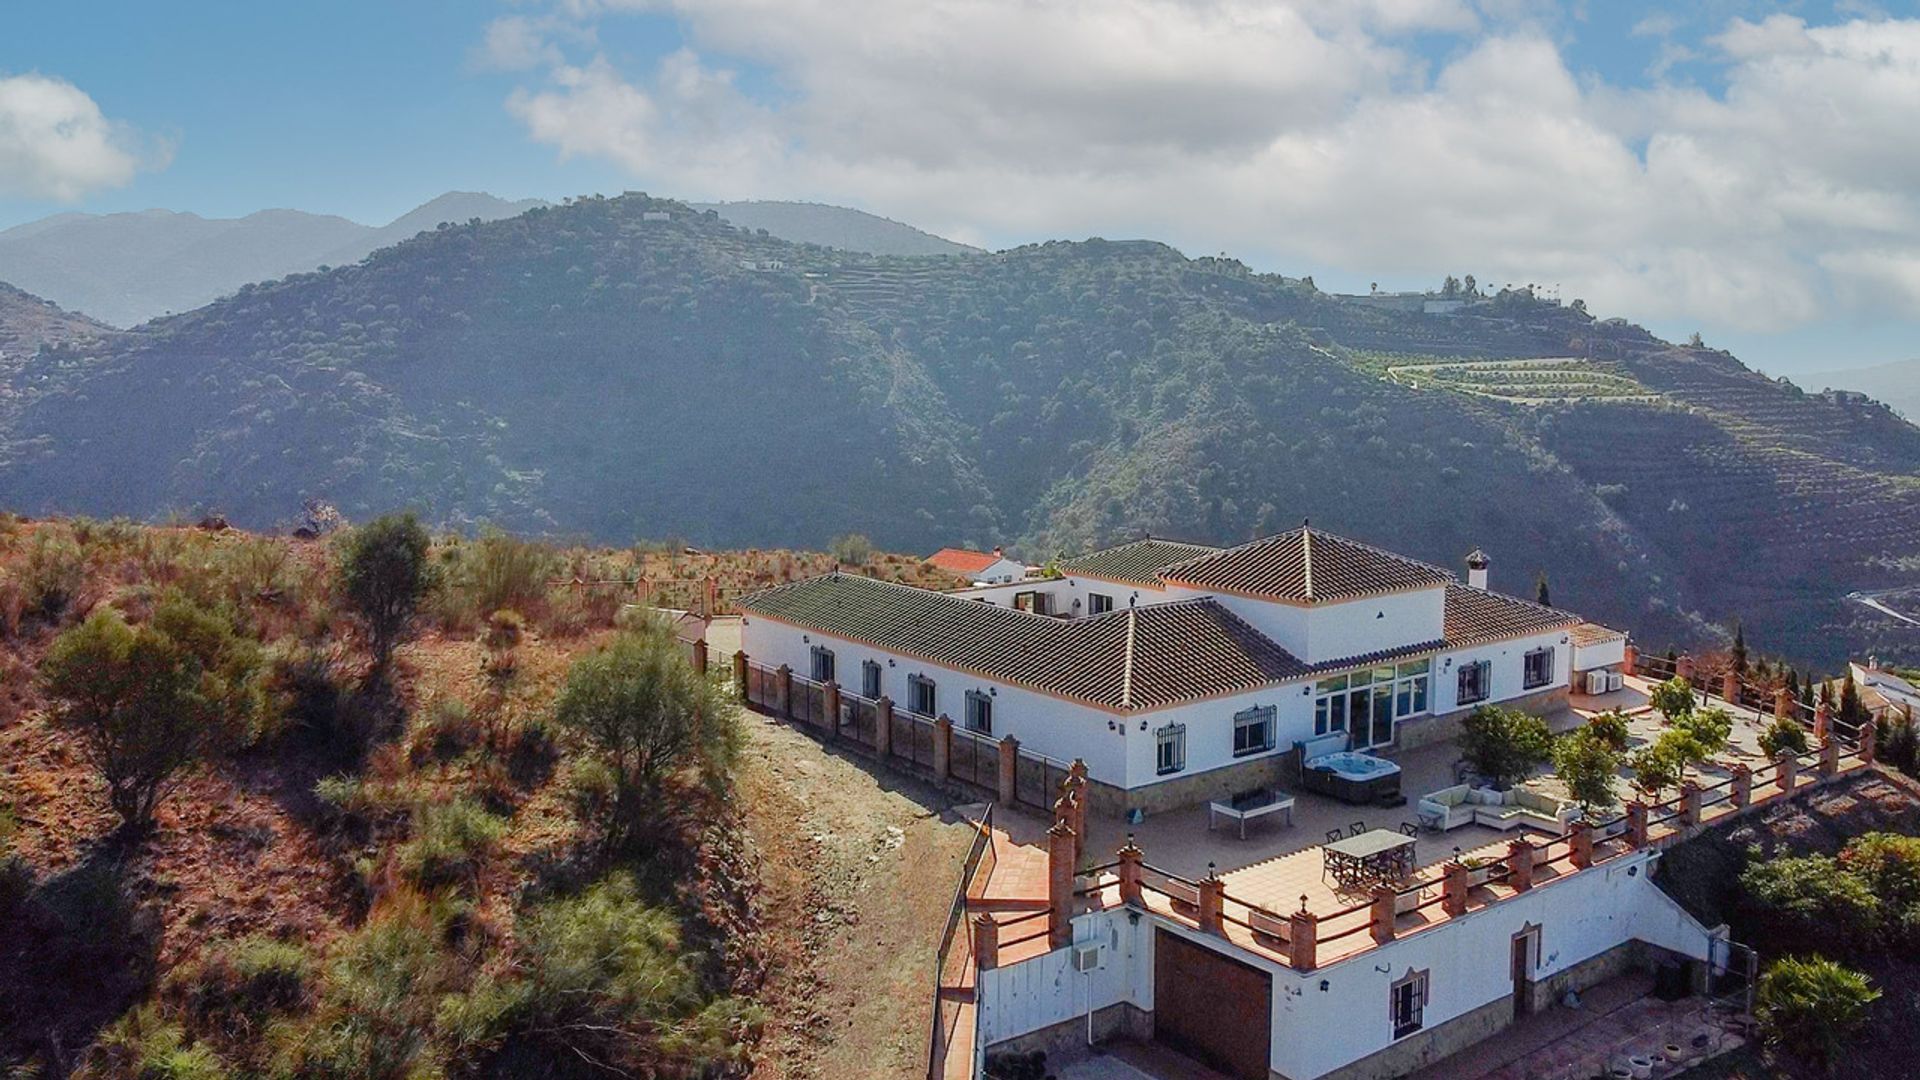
{"x": 1317, "y": 1030}
{"x": 1509, "y": 676}
{"x": 1065, "y": 592}
{"x": 1326, "y": 632}
{"x": 1210, "y": 731}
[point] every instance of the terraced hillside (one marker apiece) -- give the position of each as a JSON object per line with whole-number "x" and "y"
{"x": 631, "y": 366}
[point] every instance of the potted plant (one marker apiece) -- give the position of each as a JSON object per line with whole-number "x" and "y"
{"x": 1479, "y": 869}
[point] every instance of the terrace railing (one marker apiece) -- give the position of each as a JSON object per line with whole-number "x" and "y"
{"x": 954, "y": 955}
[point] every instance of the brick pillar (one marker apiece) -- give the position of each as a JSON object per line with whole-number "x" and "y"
{"x": 700, "y": 655}
{"x": 1303, "y": 939}
{"x": 831, "y": 692}
{"x": 1830, "y": 759}
{"x": 1009, "y": 765}
{"x": 1689, "y": 802}
{"x": 1580, "y": 842}
{"x": 943, "y": 747}
{"x": 708, "y": 596}
{"x": 783, "y": 692}
{"x": 1520, "y": 865}
{"x": 740, "y": 674}
{"x": 1869, "y": 741}
{"x": 883, "y": 727}
{"x": 1822, "y": 722}
{"x": 1636, "y": 824}
{"x": 1683, "y": 668}
{"x": 1782, "y": 704}
{"x": 1454, "y": 886}
{"x": 1213, "y": 902}
{"x": 1742, "y": 785}
{"x": 1131, "y": 858}
{"x": 1059, "y": 885}
{"x": 1380, "y": 918}
{"x": 986, "y": 942}
{"x": 1077, "y": 780}
{"x": 1631, "y": 660}
{"x": 1730, "y": 686}
{"x": 1789, "y": 769}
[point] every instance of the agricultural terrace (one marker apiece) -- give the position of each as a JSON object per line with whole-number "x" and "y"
{"x": 1544, "y": 380}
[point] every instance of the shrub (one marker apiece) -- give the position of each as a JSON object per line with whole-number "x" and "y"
{"x": 239, "y": 984}
{"x": 1708, "y": 728}
{"x": 1664, "y": 763}
{"x": 851, "y": 549}
{"x": 144, "y": 705}
{"x": 54, "y": 574}
{"x": 1504, "y": 745}
{"x": 449, "y": 842}
{"x": 1784, "y": 735}
{"x": 505, "y": 628}
{"x": 1610, "y": 727}
{"x": 1588, "y": 763}
{"x": 448, "y": 731}
{"x": 383, "y": 575}
{"x": 144, "y": 1045}
{"x": 1898, "y": 745}
{"x": 499, "y": 572}
{"x": 648, "y": 715}
{"x": 1673, "y": 698}
{"x": 1888, "y": 865}
{"x": 314, "y": 698}
{"x": 1810, "y": 899}
{"x": 1812, "y": 1008}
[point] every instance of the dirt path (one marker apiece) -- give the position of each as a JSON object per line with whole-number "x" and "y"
{"x": 859, "y": 869}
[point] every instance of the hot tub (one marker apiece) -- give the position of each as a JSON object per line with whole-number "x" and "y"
{"x": 1352, "y": 777}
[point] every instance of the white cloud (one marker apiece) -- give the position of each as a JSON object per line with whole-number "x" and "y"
{"x": 55, "y": 144}
{"x": 1305, "y": 135}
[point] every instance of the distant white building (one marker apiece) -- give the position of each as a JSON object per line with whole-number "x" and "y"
{"x": 1180, "y": 672}
{"x": 980, "y": 567}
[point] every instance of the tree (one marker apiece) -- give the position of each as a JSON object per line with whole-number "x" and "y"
{"x": 1450, "y": 288}
{"x": 384, "y": 574}
{"x": 1784, "y": 734}
{"x": 1673, "y": 698}
{"x": 1739, "y": 648}
{"x": 144, "y": 704}
{"x": 852, "y": 549}
{"x": 1504, "y": 745}
{"x": 1662, "y": 764}
{"x": 1587, "y": 764}
{"x": 1611, "y": 728}
{"x": 1708, "y": 730}
{"x": 1852, "y": 712}
{"x": 1470, "y": 286}
{"x": 648, "y": 716}
{"x": 1694, "y": 341}
{"x": 1541, "y": 594}
{"x": 1812, "y": 1008}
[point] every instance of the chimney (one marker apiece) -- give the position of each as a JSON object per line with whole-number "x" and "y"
{"x": 999, "y": 553}
{"x": 1477, "y": 564}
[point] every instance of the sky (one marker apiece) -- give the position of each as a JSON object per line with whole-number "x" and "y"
{"x": 1748, "y": 170}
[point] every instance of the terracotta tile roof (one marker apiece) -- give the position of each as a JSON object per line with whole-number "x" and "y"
{"x": 1306, "y": 566}
{"x": 1592, "y": 633}
{"x": 1132, "y": 658}
{"x": 963, "y": 560}
{"x": 1476, "y": 616}
{"x": 1136, "y": 563}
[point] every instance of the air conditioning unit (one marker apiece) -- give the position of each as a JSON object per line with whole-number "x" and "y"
{"x": 1597, "y": 681}
{"x": 1615, "y": 680}
{"x": 1086, "y": 957}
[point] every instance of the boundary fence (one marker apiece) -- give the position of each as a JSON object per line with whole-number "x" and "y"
{"x": 953, "y": 959}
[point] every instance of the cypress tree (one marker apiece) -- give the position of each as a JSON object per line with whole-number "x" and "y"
{"x": 1739, "y": 648}
{"x": 1541, "y": 595}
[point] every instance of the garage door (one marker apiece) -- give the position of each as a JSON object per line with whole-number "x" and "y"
{"x": 1214, "y": 1010}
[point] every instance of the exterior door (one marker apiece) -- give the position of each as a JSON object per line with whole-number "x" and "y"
{"x": 1526, "y": 957}
{"x": 1214, "y": 1010}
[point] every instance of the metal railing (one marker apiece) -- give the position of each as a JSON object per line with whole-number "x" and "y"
{"x": 954, "y": 954}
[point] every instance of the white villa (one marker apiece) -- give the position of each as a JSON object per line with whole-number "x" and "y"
{"x": 1180, "y": 672}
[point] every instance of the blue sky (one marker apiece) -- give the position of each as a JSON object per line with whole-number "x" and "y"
{"x": 1638, "y": 154}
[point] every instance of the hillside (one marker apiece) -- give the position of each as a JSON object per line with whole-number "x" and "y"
{"x": 584, "y": 370}
{"x": 1897, "y": 384}
{"x": 124, "y": 269}
{"x": 421, "y": 874}
{"x": 834, "y": 227}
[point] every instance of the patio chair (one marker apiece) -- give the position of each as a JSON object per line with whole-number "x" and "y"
{"x": 1408, "y": 828}
{"x": 1357, "y": 828}
{"x": 1334, "y": 836}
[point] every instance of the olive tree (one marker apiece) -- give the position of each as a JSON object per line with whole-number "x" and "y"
{"x": 384, "y": 573}
{"x": 1504, "y": 745}
{"x": 145, "y": 704}
{"x": 648, "y": 716}
{"x": 1587, "y": 763}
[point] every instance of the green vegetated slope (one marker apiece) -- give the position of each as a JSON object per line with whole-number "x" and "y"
{"x": 580, "y": 369}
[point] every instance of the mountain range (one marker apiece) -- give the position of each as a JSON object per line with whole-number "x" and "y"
{"x": 123, "y": 269}
{"x": 636, "y": 367}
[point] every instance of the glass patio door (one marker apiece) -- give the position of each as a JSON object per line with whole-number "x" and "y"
{"x": 1382, "y": 714}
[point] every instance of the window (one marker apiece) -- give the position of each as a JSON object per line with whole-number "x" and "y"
{"x": 870, "y": 679}
{"x": 1476, "y": 681}
{"x": 979, "y": 712}
{"x": 1170, "y": 749}
{"x": 822, "y": 664}
{"x": 920, "y": 696}
{"x": 1538, "y": 668}
{"x": 1407, "y": 1002}
{"x": 1253, "y": 731}
{"x": 1099, "y": 603}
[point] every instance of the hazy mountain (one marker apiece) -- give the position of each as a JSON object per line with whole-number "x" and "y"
{"x": 1897, "y": 384}
{"x": 835, "y": 227}
{"x": 629, "y": 367}
{"x": 124, "y": 269}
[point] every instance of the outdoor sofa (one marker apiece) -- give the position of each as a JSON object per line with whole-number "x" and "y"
{"x": 1461, "y": 804}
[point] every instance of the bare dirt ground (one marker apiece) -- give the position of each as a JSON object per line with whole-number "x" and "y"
{"x": 859, "y": 868}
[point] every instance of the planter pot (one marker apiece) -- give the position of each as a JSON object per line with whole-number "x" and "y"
{"x": 1479, "y": 875}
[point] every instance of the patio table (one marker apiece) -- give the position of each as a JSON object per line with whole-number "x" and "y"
{"x": 1375, "y": 857}
{"x": 1252, "y": 804}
